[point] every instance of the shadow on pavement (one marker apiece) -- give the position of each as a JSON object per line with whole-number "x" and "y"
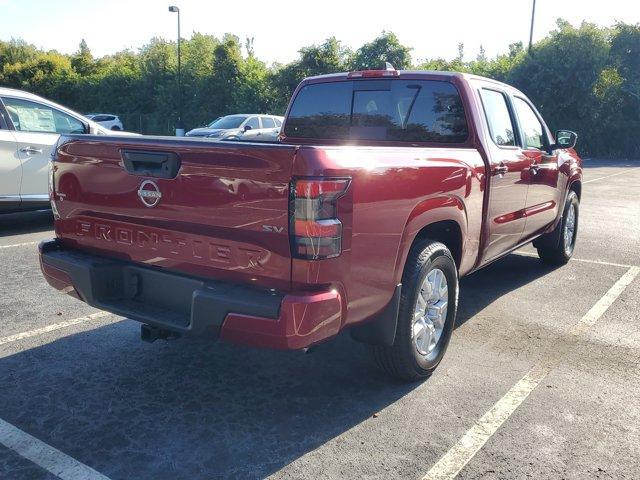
{"x": 25, "y": 222}
{"x": 609, "y": 163}
{"x": 195, "y": 410}
{"x": 481, "y": 288}
{"x": 187, "y": 409}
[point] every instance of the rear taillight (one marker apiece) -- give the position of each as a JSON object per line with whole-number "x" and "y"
{"x": 315, "y": 230}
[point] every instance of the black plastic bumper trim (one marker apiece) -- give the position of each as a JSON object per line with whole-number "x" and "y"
{"x": 165, "y": 299}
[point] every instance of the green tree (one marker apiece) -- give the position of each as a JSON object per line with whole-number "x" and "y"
{"x": 328, "y": 57}
{"x": 82, "y": 61}
{"x": 385, "y": 48}
{"x": 586, "y": 78}
{"x": 560, "y": 75}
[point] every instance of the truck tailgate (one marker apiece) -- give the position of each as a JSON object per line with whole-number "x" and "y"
{"x": 201, "y": 208}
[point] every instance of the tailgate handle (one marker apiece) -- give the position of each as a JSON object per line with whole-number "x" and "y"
{"x": 151, "y": 164}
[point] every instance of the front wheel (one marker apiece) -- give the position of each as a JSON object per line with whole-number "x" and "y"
{"x": 556, "y": 247}
{"x": 427, "y": 313}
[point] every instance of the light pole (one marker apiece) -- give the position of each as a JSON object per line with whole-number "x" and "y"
{"x": 179, "y": 126}
{"x": 533, "y": 15}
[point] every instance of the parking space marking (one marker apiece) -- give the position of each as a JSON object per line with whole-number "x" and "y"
{"x": 51, "y": 328}
{"x": 54, "y": 461}
{"x": 583, "y": 260}
{"x": 18, "y": 245}
{"x": 475, "y": 438}
{"x": 607, "y": 176}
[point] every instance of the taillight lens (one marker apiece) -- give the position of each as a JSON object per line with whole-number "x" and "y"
{"x": 315, "y": 230}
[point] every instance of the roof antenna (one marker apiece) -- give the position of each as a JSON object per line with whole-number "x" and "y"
{"x": 388, "y": 66}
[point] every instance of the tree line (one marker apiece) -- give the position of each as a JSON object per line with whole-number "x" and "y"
{"x": 584, "y": 78}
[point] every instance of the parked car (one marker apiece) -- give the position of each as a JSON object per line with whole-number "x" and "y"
{"x": 245, "y": 126}
{"x": 29, "y": 127}
{"x": 264, "y": 135}
{"x": 107, "y": 120}
{"x": 389, "y": 186}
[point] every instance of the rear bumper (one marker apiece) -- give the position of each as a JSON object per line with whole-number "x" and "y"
{"x": 191, "y": 306}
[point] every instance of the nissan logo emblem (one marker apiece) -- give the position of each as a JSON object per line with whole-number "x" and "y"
{"x": 149, "y": 193}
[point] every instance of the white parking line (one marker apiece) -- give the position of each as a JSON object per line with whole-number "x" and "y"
{"x": 607, "y": 176}
{"x": 474, "y": 439}
{"x": 52, "y": 460}
{"x": 583, "y": 260}
{"x": 51, "y": 328}
{"x": 18, "y": 245}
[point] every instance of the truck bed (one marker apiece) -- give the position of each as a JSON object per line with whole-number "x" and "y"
{"x": 203, "y": 208}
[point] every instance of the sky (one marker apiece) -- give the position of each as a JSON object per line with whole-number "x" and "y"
{"x": 280, "y": 27}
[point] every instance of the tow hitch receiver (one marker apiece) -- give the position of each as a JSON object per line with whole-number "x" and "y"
{"x": 149, "y": 333}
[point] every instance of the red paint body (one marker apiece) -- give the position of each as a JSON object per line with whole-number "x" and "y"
{"x": 212, "y": 219}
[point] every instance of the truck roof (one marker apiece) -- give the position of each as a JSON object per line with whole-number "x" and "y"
{"x": 419, "y": 73}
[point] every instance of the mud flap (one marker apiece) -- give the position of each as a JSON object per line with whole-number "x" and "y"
{"x": 382, "y": 329}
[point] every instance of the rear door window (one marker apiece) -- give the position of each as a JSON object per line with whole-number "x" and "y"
{"x": 498, "y": 117}
{"x": 267, "y": 122}
{"x": 254, "y": 123}
{"x": 386, "y": 110}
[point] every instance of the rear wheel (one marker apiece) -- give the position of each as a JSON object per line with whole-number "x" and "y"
{"x": 426, "y": 316}
{"x": 556, "y": 247}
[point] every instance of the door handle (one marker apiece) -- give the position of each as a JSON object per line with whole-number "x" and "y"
{"x": 500, "y": 170}
{"x": 31, "y": 150}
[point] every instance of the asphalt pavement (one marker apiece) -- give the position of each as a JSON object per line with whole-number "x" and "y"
{"x": 541, "y": 379}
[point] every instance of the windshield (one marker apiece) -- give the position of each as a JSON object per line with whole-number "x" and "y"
{"x": 391, "y": 110}
{"x": 230, "y": 121}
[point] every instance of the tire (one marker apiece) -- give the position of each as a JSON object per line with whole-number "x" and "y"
{"x": 408, "y": 358}
{"x": 556, "y": 247}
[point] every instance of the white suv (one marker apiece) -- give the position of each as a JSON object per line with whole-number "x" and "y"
{"x": 29, "y": 128}
{"x": 245, "y": 126}
{"x": 112, "y": 122}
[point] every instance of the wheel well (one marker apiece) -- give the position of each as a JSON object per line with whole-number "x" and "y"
{"x": 576, "y": 187}
{"x": 447, "y": 232}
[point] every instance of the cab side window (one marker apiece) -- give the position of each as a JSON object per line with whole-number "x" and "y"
{"x": 532, "y": 130}
{"x": 498, "y": 117}
{"x": 30, "y": 116}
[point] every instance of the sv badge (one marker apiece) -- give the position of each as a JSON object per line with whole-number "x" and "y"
{"x": 272, "y": 228}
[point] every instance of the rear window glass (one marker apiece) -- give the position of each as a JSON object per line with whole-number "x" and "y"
{"x": 391, "y": 110}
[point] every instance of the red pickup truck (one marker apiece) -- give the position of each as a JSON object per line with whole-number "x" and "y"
{"x": 385, "y": 187}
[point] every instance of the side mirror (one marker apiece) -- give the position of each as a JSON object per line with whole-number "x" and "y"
{"x": 246, "y": 128}
{"x": 565, "y": 139}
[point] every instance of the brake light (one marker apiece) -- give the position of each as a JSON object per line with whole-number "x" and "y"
{"x": 373, "y": 74}
{"x": 315, "y": 230}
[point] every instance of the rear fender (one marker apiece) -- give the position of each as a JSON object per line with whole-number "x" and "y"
{"x": 428, "y": 212}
